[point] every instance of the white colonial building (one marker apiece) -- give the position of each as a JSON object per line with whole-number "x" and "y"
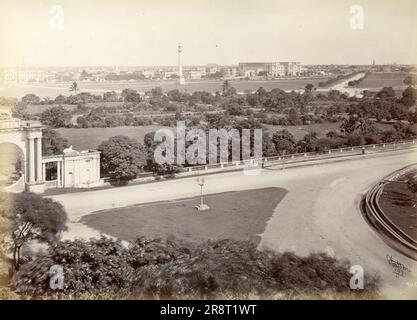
{"x": 73, "y": 169}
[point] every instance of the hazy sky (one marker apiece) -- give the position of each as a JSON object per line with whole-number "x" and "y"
{"x": 146, "y": 32}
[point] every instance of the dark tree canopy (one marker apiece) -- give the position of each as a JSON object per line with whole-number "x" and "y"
{"x": 284, "y": 141}
{"x": 409, "y": 97}
{"x": 122, "y": 158}
{"x": 131, "y": 95}
{"x": 56, "y": 117}
{"x": 31, "y": 99}
{"x": 52, "y": 142}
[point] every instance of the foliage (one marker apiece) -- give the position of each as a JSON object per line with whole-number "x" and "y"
{"x": 168, "y": 269}
{"x": 28, "y": 216}
{"x": 409, "y": 97}
{"x": 131, "y": 95}
{"x": 55, "y": 117}
{"x": 31, "y": 99}
{"x": 52, "y": 142}
{"x": 122, "y": 158}
{"x": 412, "y": 184}
{"x": 284, "y": 141}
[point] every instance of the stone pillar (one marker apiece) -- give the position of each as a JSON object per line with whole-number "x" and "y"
{"x": 31, "y": 160}
{"x": 39, "y": 176}
{"x": 58, "y": 173}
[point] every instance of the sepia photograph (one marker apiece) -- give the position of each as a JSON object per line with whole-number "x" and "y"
{"x": 218, "y": 151}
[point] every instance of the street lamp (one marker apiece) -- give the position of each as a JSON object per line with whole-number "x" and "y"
{"x": 201, "y": 206}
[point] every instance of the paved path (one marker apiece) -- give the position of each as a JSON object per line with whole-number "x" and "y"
{"x": 319, "y": 213}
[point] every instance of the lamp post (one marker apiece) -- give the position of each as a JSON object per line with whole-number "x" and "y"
{"x": 200, "y": 182}
{"x": 201, "y": 206}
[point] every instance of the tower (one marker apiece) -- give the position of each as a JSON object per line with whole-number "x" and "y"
{"x": 180, "y": 75}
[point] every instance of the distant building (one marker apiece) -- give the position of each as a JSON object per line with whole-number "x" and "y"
{"x": 23, "y": 75}
{"x": 167, "y": 75}
{"x": 212, "y": 68}
{"x": 194, "y": 72}
{"x": 148, "y": 74}
{"x": 229, "y": 72}
{"x": 274, "y": 69}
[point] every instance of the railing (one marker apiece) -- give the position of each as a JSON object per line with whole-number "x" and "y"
{"x": 302, "y": 157}
{"x": 50, "y": 184}
{"x": 283, "y": 160}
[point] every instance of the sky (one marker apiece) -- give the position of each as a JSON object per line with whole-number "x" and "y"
{"x": 39, "y": 33}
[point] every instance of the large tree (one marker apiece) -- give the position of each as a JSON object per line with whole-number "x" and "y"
{"x": 284, "y": 141}
{"x": 131, "y": 95}
{"x": 409, "y": 97}
{"x": 31, "y": 99}
{"x": 28, "y": 216}
{"x": 122, "y": 158}
{"x": 386, "y": 93}
{"x": 56, "y": 117}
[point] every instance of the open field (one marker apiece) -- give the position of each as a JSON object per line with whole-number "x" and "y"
{"x": 400, "y": 206}
{"x": 51, "y": 90}
{"x": 383, "y": 79}
{"x": 90, "y": 138}
{"x": 240, "y": 215}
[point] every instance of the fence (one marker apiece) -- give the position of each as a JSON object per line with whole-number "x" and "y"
{"x": 301, "y": 157}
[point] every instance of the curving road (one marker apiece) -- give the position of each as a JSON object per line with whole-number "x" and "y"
{"x": 319, "y": 213}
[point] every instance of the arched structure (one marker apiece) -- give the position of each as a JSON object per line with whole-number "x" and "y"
{"x": 26, "y": 135}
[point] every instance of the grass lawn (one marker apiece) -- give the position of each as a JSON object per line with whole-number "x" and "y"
{"x": 90, "y": 138}
{"x": 54, "y": 89}
{"x": 400, "y": 205}
{"x": 240, "y": 215}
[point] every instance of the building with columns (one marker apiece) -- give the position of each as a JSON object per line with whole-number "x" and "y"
{"x": 75, "y": 169}
{"x": 27, "y": 136}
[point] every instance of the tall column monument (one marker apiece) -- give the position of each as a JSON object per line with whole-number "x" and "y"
{"x": 181, "y": 79}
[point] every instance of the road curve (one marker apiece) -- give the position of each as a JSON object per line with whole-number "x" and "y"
{"x": 320, "y": 212}
{"x": 392, "y": 234}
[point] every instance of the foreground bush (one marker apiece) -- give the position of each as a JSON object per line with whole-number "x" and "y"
{"x": 166, "y": 269}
